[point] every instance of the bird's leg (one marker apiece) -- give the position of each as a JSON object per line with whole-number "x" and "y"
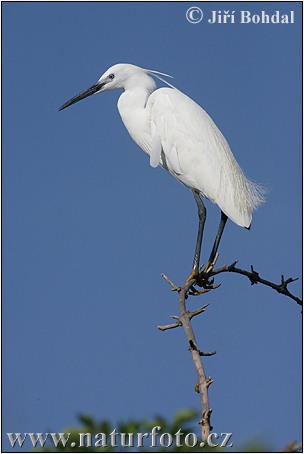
{"x": 202, "y": 218}
{"x": 216, "y": 242}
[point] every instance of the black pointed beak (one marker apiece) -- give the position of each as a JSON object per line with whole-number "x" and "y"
{"x": 84, "y": 94}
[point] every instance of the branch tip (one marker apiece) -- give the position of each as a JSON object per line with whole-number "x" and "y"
{"x": 174, "y": 287}
{"x": 230, "y": 267}
{"x": 207, "y": 353}
{"x": 171, "y": 326}
{"x": 198, "y": 311}
{"x": 209, "y": 381}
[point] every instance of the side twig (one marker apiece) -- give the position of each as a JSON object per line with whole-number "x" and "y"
{"x": 255, "y": 278}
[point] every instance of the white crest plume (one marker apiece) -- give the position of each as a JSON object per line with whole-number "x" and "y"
{"x": 159, "y": 74}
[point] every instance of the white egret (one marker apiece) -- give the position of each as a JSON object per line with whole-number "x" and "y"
{"x": 180, "y": 136}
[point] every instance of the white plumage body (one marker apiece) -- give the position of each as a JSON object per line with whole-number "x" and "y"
{"x": 180, "y": 136}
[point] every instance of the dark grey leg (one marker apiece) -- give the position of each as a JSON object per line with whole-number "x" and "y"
{"x": 202, "y": 218}
{"x": 218, "y": 237}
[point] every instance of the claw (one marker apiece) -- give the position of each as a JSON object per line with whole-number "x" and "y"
{"x": 199, "y": 292}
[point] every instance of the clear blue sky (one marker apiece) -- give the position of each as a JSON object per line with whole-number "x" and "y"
{"x": 89, "y": 226}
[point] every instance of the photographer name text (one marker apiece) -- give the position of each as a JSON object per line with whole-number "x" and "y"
{"x": 195, "y": 15}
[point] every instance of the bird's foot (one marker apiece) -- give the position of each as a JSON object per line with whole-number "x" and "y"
{"x": 202, "y": 275}
{"x": 203, "y": 279}
{"x": 194, "y": 275}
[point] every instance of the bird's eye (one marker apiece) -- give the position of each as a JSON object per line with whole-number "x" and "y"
{"x": 111, "y": 76}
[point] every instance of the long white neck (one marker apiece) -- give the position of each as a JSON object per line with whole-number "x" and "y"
{"x": 132, "y": 108}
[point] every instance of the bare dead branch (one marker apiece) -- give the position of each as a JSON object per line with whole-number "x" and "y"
{"x": 165, "y": 327}
{"x": 184, "y": 320}
{"x": 175, "y": 288}
{"x": 205, "y": 280}
{"x": 198, "y": 311}
{"x": 254, "y": 278}
{"x": 207, "y": 353}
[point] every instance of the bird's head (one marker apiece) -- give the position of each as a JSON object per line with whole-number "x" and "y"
{"x": 123, "y": 76}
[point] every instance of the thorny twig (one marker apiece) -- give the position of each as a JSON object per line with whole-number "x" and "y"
{"x": 184, "y": 319}
{"x": 254, "y": 278}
